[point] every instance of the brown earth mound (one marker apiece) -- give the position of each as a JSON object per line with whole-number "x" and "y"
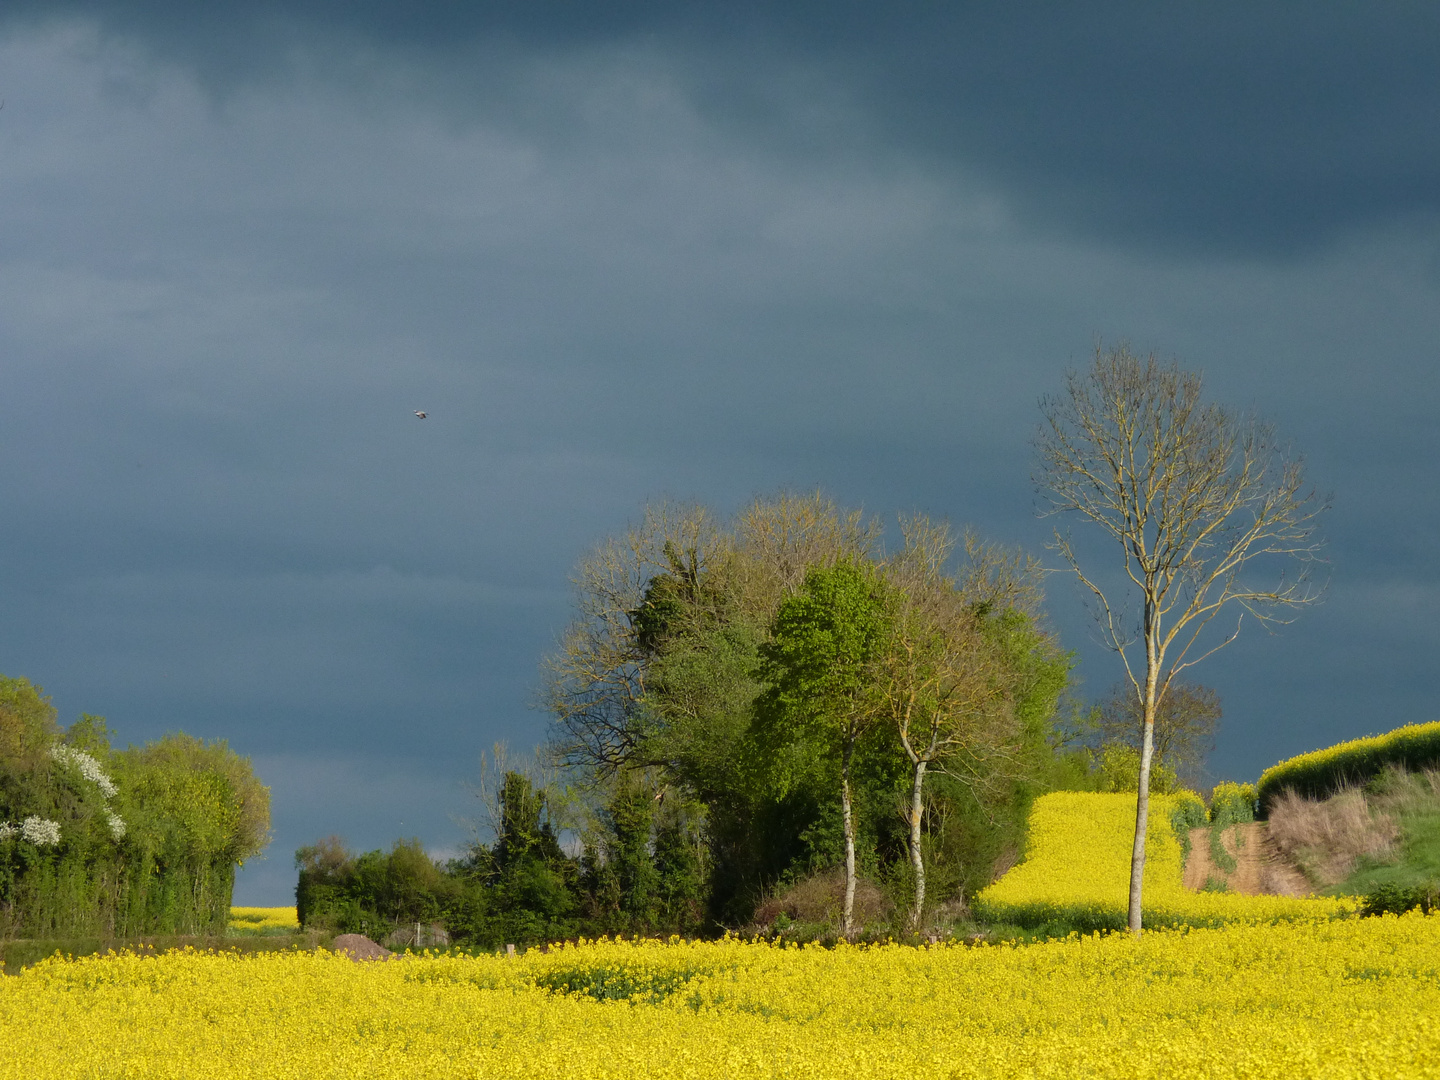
{"x": 360, "y": 947}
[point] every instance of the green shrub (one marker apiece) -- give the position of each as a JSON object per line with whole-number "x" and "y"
{"x": 1398, "y": 899}
{"x": 1119, "y": 770}
{"x": 371, "y": 894}
{"x": 1231, "y": 804}
{"x": 1187, "y": 813}
{"x": 1321, "y": 773}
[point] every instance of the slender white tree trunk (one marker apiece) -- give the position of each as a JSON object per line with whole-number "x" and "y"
{"x": 847, "y": 914}
{"x": 1142, "y": 798}
{"x": 917, "y": 860}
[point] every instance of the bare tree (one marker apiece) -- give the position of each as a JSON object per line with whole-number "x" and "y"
{"x": 780, "y": 539}
{"x": 1198, "y": 499}
{"x": 1185, "y": 722}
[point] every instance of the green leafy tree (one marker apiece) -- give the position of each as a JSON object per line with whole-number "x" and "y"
{"x": 660, "y": 675}
{"x": 534, "y": 883}
{"x": 821, "y": 669}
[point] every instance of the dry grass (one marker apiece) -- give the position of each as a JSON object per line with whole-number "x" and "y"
{"x": 1327, "y": 838}
{"x": 819, "y": 898}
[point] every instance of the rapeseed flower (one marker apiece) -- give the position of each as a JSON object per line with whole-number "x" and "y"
{"x": 1340, "y": 998}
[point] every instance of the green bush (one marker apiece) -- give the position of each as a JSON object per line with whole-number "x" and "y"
{"x": 1321, "y": 773}
{"x": 1231, "y": 804}
{"x": 1188, "y": 812}
{"x": 1398, "y": 899}
{"x": 1119, "y": 770}
{"x": 371, "y": 894}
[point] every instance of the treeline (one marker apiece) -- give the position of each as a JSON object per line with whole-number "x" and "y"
{"x": 117, "y": 843}
{"x": 647, "y": 876}
{"x": 767, "y": 706}
{"x": 742, "y": 705}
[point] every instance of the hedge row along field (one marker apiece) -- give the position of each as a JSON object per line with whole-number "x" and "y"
{"x": 1344, "y": 998}
{"x": 1077, "y": 871}
{"x": 1321, "y": 773}
{"x": 96, "y": 842}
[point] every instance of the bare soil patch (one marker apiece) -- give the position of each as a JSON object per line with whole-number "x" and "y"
{"x": 1260, "y": 868}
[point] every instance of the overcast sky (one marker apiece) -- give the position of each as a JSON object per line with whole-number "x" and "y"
{"x": 625, "y": 251}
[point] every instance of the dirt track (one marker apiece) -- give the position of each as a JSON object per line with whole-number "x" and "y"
{"x": 1259, "y": 869}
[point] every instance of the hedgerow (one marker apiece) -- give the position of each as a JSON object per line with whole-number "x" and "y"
{"x": 99, "y": 842}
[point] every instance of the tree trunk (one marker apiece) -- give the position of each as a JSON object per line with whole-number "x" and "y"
{"x": 847, "y": 914}
{"x": 916, "y": 858}
{"x": 1142, "y": 798}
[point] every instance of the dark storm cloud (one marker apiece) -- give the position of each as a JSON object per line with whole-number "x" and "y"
{"x": 1259, "y": 128}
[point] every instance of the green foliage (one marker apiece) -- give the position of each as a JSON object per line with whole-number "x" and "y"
{"x": 1119, "y": 770}
{"x": 621, "y": 879}
{"x": 1187, "y": 812}
{"x": 621, "y": 982}
{"x": 817, "y": 666}
{"x": 731, "y": 670}
{"x": 1231, "y": 804}
{"x": 1319, "y": 774}
{"x": 371, "y": 894}
{"x": 642, "y": 872}
{"x": 27, "y": 726}
{"x": 98, "y": 842}
{"x": 1398, "y": 899}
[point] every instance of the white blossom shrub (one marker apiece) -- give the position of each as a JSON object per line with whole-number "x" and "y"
{"x": 88, "y": 766}
{"x": 41, "y": 832}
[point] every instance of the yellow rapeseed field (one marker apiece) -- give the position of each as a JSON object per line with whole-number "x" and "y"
{"x": 1291, "y": 989}
{"x": 1344, "y": 998}
{"x": 1077, "y": 870}
{"x": 260, "y": 919}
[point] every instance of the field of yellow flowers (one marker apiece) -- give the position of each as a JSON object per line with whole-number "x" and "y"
{"x": 263, "y": 920}
{"x": 1288, "y": 989}
{"x": 1077, "y": 871}
{"x": 1343, "y": 998}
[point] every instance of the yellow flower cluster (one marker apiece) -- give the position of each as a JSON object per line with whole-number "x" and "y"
{"x": 262, "y": 919}
{"x": 1077, "y": 870}
{"x": 1345, "y": 998}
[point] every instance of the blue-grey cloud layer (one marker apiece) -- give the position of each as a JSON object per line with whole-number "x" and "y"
{"x": 1250, "y": 127}
{"x": 692, "y": 251}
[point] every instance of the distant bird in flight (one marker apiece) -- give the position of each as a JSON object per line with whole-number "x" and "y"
{"x": 420, "y": 414}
